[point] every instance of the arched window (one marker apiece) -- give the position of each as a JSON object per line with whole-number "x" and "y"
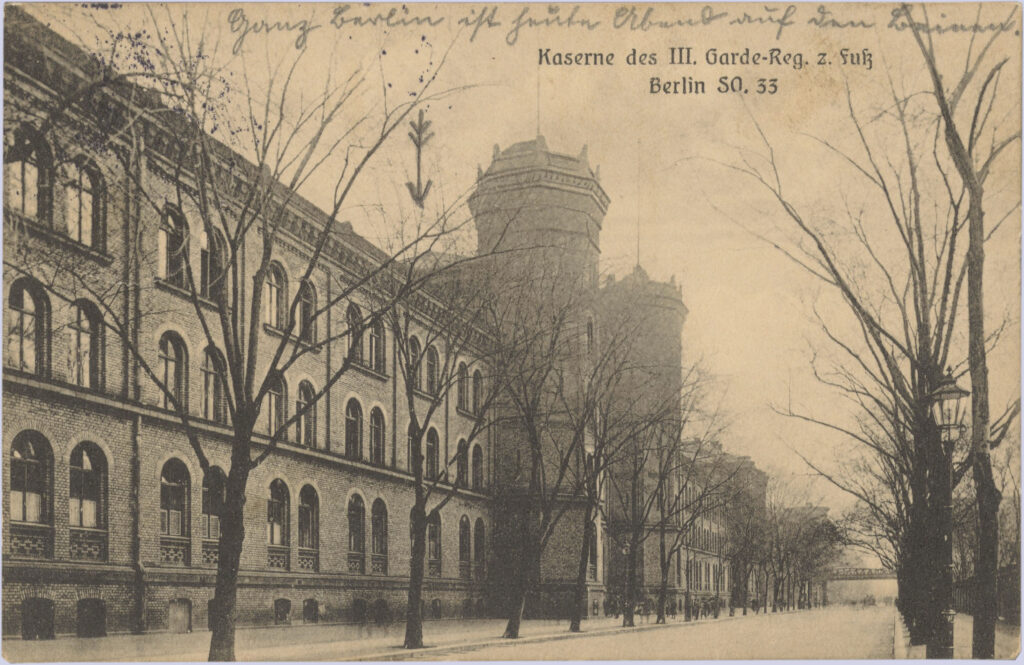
{"x": 379, "y": 538}
{"x": 432, "y": 454}
{"x": 28, "y": 186}
{"x": 462, "y": 464}
{"x": 31, "y": 464}
{"x": 214, "y": 386}
{"x": 478, "y": 467}
{"x": 307, "y": 313}
{"x": 277, "y": 513}
{"x": 173, "y": 366}
{"x": 172, "y": 254}
{"x": 212, "y": 273}
{"x": 434, "y": 545}
{"x": 356, "y": 535}
{"x": 462, "y": 387}
{"x": 306, "y": 423}
{"x": 214, "y": 498}
{"x": 309, "y": 518}
{"x": 354, "y": 319}
{"x": 174, "y": 491}
{"x": 275, "y": 293}
{"x": 377, "y": 436}
{"x": 85, "y": 349}
{"x": 465, "y": 541}
{"x": 28, "y": 325}
{"x": 478, "y": 391}
{"x": 83, "y": 202}
{"x": 412, "y": 373}
{"x": 274, "y": 404}
{"x": 377, "y": 347}
{"x": 479, "y": 542}
{"x": 87, "y": 487}
{"x": 353, "y": 430}
{"x": 432, "y": 368}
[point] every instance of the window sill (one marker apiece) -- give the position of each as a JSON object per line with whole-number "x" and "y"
{"x": 40, "y": 229}
{"x": 312, "y": 347}
{"x": 423, "y": 394}
{"x": 466, "y": 413}
{"x": 369, "y": 371}
{"x": 32, "y": 525}
{"x": 181, "y": 292}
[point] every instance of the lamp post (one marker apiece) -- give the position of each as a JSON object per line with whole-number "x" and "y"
{"x": 947, "y": 411}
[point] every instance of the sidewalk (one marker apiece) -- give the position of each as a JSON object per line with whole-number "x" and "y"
{"x": 1007, "y": 640}
{"x": 307, "y": 642}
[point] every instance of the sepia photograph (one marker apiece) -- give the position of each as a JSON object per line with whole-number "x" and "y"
{"x": 511, "y": 332}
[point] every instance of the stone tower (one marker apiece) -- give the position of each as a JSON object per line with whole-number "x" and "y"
{"x": 538, "y": 217}
{"x": 652, "y": 315}
{"x": 530, "y": 197}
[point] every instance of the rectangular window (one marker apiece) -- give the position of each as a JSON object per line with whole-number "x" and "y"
{"x": 79, "y": 214}
{"x": 17, "y": 506}
{"x": 174, "y": 522}
{"x": 28, "y": 343}
{"x": 270, "y": 294}
{"x": 33, "y": 507}
{"x": 21, "y": 183}
{"x": 211, "y": 526}
{"x": 88, "y": 513}
{"x": 78, "y": 352}
{"x": 306, "y": 527}
{"x": 275, "y": 523}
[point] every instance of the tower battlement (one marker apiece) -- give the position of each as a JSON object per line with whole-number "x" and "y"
{"x": 532, "y": 196}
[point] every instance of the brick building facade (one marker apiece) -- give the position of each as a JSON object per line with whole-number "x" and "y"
{"x": 109, "y": 523}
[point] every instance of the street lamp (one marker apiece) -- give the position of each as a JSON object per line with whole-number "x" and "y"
{"x": 948, "y": 407}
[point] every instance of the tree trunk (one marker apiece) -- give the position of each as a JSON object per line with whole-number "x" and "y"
{"x": 517, "y": 602}
{"x": 663, "y": 593}
{"x": 665, "y": 565}
{"x": 580, "y": 590}
{"x": 414, "y": 605}
{"x": 232, "y": 535}
{"x": 528, "y": 563}
{"x": 985, "y": 599}
{"x": 986, "y": 608}
{"x": 629, "y": 601}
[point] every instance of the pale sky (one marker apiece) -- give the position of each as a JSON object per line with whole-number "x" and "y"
{"x": 750, "y": 309}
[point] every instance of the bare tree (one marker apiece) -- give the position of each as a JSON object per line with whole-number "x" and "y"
{"x": 664, "y": 481}
{"x": 699, "y": 487}
{"x": 898, "y": 265}
{"x": 801, "y": 542}
{"x": 540, "y": 326}
{"x": 590, "y": 416}
{"x": 744, "y": 546}
{"x": 442, "y": 350}
{"x": 975, "y": 142}
{"x": 225, "y": 159}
